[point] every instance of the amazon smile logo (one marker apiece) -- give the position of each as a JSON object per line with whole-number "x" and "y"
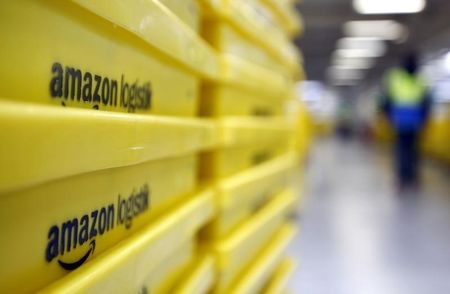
{"x": 73, "y": 265}
{"x": 77, "y": 231}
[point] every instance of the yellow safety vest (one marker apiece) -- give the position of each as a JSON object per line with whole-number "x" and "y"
{"x": 404, "y": 88}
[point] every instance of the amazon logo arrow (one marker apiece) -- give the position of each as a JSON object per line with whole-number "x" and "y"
{"x": 74, "y": 265}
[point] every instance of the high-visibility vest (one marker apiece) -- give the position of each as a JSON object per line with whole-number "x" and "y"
{"x": 407, "y": 93}
{"x": 404, "y": 88}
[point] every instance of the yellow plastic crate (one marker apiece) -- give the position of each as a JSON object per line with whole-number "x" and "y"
{"x": 226, "y": 39}
{"x": 107, "y": 55}
{"x": 257, "y": 274}
{"x": 280, "y": 277}
{"x": 447, "y": 145}
{"x": 241, "y": 73}
{"x": 230, "y": 161}
{"x": 242, "y": 195}
{"x": 235, "y": 27}
{"x": 182, "y": 45}
{"x": 187, "y": 10}
{"x": 246, "y": 142}
{"x": 286, "y": 16}
{"x": 244, "y": 89}
{"x": 298, "y": 185}
{"x": 55, "y": 217}
{"x": 265, "y": 14}
{"x": 300, "y": 119}
{"x": 277, "y": 15}
{"x": 222, "y": 101}
{"x": 170, "y": 271}
{"x": 235, "y": 252}
{"x": 42, "y": 143}
{"x": 129, "y": 266}
{"x": 436, "y": 138}
{"x": 200, "y": 277}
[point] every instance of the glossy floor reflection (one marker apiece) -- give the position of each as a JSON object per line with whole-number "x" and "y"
{"x": 359, "y": 236}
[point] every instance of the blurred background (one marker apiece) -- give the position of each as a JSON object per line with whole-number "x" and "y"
{"x": 367, "y": 227}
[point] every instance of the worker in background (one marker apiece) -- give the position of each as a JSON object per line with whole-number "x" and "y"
{"x": 406, "y": 103}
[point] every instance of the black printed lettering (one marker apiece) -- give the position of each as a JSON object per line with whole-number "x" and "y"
{"x": 72, "y": 83}
{"x": 84, "y": 229}
{"x": 69, "y": 234}
{"x": 113, "y": 100}
{"x": 110, "y": 224}
{"x": 56, "y": 83}
{"x": 52, "y": 246}
{"x": 93, "y": 231}
{"x": 98, "y": 81}
{"x": 77, "y": 231}
{"x": 105, "y": 91}
{"x": 87, "y": 87}
{"x": 84, "y": 87}
{"x": 102, "y": 221}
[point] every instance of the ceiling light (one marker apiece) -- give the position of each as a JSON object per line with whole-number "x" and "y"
{"x": 388, "y": 6}
{"x": 356, "y": 63}
{"x": 347, "y": 83}
{"x": 357, "y": 53}
{"x": 382, "y": 29}
{"x": 375, "y": 45}
{"x": 339, "y": 74}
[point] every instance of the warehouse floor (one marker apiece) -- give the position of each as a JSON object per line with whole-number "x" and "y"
{"x": 358, "y": 235}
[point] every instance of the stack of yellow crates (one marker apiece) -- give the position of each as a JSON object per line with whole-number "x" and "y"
{"x": 436, "y": 139}
{"x": 145, "y": 146}
{"x": 104, "y": 198}
{"x": 253, "y": 167}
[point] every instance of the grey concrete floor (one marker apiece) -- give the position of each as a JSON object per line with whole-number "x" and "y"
{"x": 358, "y": 235}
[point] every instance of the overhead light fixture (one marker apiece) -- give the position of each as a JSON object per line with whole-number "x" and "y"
{"x": 353, "y": 63}
{"x": 388, "y": 6}
{"x": 347, "y": 83}
{"x": 381, "y": 29}
{"x": 340, "y": 74}
{"x": 376, "y": 46}
{"x": 357, "y": 53}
